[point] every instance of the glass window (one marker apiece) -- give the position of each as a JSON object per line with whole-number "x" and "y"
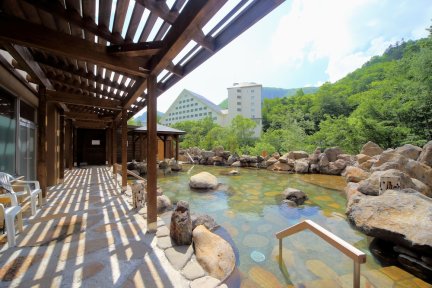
{"x": 7, "y": 132}
{"x": 239, "y": 109}
{"x": 238, "y": 90}
{"x": 238, "y": 96}
{"x": 238, "y": 103}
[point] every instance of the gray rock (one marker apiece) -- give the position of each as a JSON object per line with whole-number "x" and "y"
{"x": 396, "y": 216}
{"x": 203, "y": 180}
{"x": 295, "y": 195}
{"x": 314, "y": 168}
{"x": 361, "y": 158}
{"x": 236, "y": 164}
{"x": 323, "y": 160}
{"x": 425, "y": 156}
{"x": 332, "y": 153}
{"x": 409, "y": 151}
{"x": 371, "y": 149}
{"x": 165, "y": 242}
{"x": 207, "y": 154}
{"x": 355, "y": 174}
{"x": 289, "y": 203}
{"x": 370, "y": 186}
{"x": 163, "y": 203}
{"x": 205, "y": 220}
{"x": 301, "y": 166}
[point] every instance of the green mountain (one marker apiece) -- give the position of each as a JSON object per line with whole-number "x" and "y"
{"x": 272, "y": 92}
{"x": 143, "y": 117}
{"x": 388, "y": 101}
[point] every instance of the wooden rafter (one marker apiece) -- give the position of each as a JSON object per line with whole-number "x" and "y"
{"x": 27, "y": 34}
{"x": 160, "y": 9}
{"x": 73, "y": 16}
{"x": 26, "y": 61}
{"x": 79, "y": 72}
{"x": 144, "y": 49}
{"x": 196, "y": 14}
{"x": 83, "y": 100}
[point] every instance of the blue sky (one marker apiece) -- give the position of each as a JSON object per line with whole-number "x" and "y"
{"x": 306, "y": 43}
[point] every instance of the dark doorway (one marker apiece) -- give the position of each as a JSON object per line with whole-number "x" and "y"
{"x": 91, "y": 147}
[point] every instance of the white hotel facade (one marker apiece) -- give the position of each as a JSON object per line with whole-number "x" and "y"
{"x": 243, "y": 99}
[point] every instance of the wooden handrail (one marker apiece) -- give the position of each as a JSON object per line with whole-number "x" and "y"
{"x": 355, "y": 254}
{"x": 128, "y": 172}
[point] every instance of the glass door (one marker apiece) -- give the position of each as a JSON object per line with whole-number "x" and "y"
{"x": 27, "y": 149}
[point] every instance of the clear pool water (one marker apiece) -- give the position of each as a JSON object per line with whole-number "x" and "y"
{"x": 249, "y": 209}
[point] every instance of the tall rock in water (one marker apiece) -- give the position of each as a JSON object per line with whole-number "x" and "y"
{"x": 426, "y": 155}
{"x": 181, "y": 224}
{"x": 203, "y": 180}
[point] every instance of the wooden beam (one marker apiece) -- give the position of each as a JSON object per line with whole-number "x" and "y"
{"x": 151, "y": 155}
{"x": 26, "y": 61}
{"x": 82, "y": 100}
{"x": 29, "y": 34}
{"x": 79, "y": 72}
{"x": 161, "y": 9}
{"x": 88, "y": 117}
{"x": 62, "y": 146}
{"x": 73, "y": 16}
{"x": 195, "y": 14}
{"x": 90, "y": 125}
{"x": 41, "y": 142}
{"x": 124, "y": 149}
{"x": 208, "y": 42}
{"x": 144, "y": 49}
{"x": 136, "y": 91}
{"x": 244, "y": 20}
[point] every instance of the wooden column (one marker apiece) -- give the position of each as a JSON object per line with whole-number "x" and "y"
{"x": 41, "y": 142}
{"x": 133, "y": 146}
{"x": 75, "y": 147}
{"x": 124, "y": 149}
{"x": 177, "y": 147}
{"x": 71, "y": 145}
{"x": 114, "y": 148}
{"x": 151, "y": 153}
{"x": 164, "y": 139}
{"x": 62, "y": 146}
{"x": 108, "y": 146}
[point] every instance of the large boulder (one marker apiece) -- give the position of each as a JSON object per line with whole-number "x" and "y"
{"x": 207, "y": 154}
{"x": 214, "y": 254}
{"x": 425, "y": 156}
{"x": 174, "y": 165}
{"x": 323, "y": 160}
{"x": 336, "y": 167}
{"x": 361, "y": 158}
{"x": 295, "y": 195}
{"x": 355, "y": 174}
{"x": 203, "y": 180}
{"x": 301, "y": 166}
{"x": 132, "y": 165}
{"x": 278, "y": 166}
{"x": 271, "y": 161}
{"x": 409, "y": 151}
{"x": 371, "y": 149}
{"x": 371, "y": 185}
{"x": 399, "y": 216}
{"x": 419, "y": 171}
{"x": 181, "y": 224}
{"x": 396, "y": 160}
{"x": 295, "y": 155}
{"x": 163, "y": 203}
{"x": 219, "y": 150}
{"x": 142, "y": 168}
{"x": 332, "y": 153}
{"x": 205, "y": 220}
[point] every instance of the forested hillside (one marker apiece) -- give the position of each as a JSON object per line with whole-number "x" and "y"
{"x": 272, "y": 92}
{"x": 387, "y": 101}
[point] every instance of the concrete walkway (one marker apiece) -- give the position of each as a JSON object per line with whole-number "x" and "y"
{"x": 86, "y": 235}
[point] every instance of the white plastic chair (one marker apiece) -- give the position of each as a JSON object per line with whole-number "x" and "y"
{"x": 9, "y": 214}
{"x": 6, "y": 181}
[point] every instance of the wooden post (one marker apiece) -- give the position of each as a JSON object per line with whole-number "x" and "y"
{"x": 177, "y": 147}
{"x": 41, "y": 142}
{"x": 114, "y": 148}
{"x": 151, "y": 154}
{"x": 164, "y": 139}
{"x": 133, "y": 146}
{"x": 108, "y": 146}
{"x": 71, "y": 144}
{"x": 75, "y": 147}
{"x": 124, "y": 149}
{"x": 62, "y": 146}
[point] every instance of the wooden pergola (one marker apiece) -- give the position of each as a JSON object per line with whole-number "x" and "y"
{"x": 103, "y": 61}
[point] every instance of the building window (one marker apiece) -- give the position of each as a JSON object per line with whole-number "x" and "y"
{"x": 205, "y": 113}
{"x": 238, "y": 103}
{"x": 200, "y": 114}
{"x": 252, "y": 90}
{"x": 238, "y": 90}
{"x": 214, "y": 118}
{"x": 196, "y": 104}
{"x": 205, "y": 108}
{"x": 200, "y": 108}
{"x": 239, "y": 109}
{"x": 196, "y": 115}
{"x": 238, "y": 96}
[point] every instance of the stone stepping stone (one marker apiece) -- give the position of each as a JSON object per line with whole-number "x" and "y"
{"x": 255, "y": 241}
{"x": 162, "y": 232}
{"x": 206, "y": 281}
{"x": 321, "y": 270}
{"x": 165, "y": 242}
{"x": 263, "y": 278}
{"x": 193, "y": 270}
{"x": 178, "y": 256}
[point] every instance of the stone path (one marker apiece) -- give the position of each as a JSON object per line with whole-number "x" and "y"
{"x": 87, "y": 235}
